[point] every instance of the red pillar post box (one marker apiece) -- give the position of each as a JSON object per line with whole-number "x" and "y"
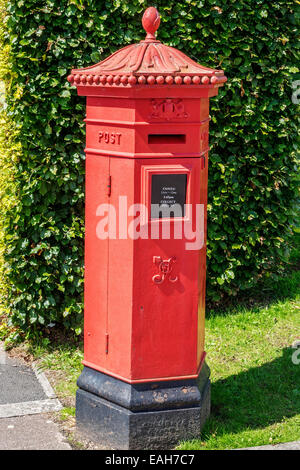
{"x": 145, "y": 383}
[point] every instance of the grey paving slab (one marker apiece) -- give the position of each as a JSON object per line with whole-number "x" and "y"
{"x": 24, "y": 389}
{"x": 25, "y": 398}
{"x": 29, "y": 408}
{"x": 295, "y": 445}
{"x": 19, "y": 383}
{"x": 36, "y": 432}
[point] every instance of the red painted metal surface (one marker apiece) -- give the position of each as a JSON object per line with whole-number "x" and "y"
{"x": 147, "y": 114}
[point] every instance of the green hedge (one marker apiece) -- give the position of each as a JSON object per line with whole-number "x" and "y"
{"x": 253, "y": 139}
{"x": 9, "y": 151}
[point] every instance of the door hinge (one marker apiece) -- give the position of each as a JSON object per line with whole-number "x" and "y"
{"x": 109, "y": 186}
{"x": 202, "y": 162}
{"x": 106, "y": 343}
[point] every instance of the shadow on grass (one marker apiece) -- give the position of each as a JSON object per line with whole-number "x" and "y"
{"x": 256, "y": 398}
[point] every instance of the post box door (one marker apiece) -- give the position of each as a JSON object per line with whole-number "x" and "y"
{"x": 96, "y": 262}
{"x": 165, "y": 312}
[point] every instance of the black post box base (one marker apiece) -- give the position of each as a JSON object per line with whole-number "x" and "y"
{"x": 155, "y": 415}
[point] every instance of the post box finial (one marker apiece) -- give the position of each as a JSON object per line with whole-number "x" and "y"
{"x": 150, "y": 62}
{"x": 151, "y": 22}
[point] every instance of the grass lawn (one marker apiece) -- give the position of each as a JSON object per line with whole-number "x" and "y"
{"x": 255, "y": 384}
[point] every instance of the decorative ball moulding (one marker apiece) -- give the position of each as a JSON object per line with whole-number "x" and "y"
{"x": 147, "y": 63}
{"x": 78, "y": 79}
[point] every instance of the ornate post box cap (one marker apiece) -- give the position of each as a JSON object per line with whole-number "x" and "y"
{"x": 147, "y": 63}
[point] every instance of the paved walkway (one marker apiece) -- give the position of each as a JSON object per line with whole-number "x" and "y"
{"x": 26, "y": 399}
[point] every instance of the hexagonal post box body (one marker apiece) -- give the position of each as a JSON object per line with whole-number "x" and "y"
{"x": 147, "y": 121}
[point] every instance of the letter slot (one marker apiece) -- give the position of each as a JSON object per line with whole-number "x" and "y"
{"x": 166, "y": 138}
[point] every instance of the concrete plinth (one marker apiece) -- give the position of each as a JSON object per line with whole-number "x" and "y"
{"x": 156, "y": 415}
